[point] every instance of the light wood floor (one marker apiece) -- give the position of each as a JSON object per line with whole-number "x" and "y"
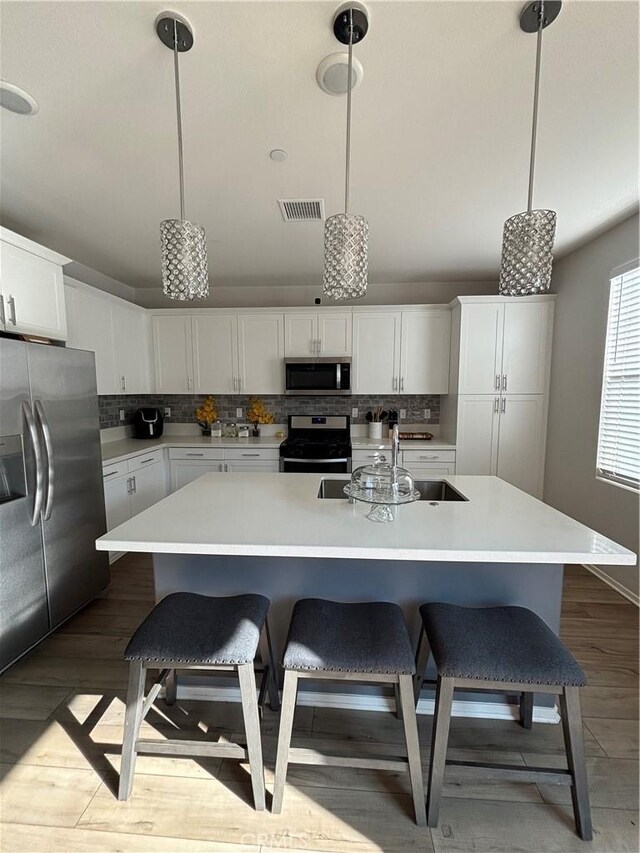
{"x": 61, "y": 729}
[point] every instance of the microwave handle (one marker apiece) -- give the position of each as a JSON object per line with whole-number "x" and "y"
{"x": 338, "y": 376}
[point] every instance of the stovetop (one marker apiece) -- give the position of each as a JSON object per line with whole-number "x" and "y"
{"x": 317, "y": 437}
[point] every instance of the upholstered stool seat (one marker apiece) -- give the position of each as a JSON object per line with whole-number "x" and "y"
{"x": 506, "y": 649}
{"x": 194, "y": 628}
{"x": 497, "y": 644}
{"x": 199, "y": 632}
{"x": 349, "y": 642}
{"x": 336, "y": 637}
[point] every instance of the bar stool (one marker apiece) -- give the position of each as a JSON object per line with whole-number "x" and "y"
{"x": 502, "y": 649}
{"x": 199, "y": 632}
{"x": 366, "y": 642}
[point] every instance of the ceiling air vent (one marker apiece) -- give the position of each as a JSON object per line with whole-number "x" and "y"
{"x": 302, "y": 209}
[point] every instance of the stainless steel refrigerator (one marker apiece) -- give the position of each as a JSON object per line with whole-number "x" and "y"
{"x": 51, "y": 498}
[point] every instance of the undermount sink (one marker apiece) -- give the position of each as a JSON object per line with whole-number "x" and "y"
{"x": 430, "y": 490}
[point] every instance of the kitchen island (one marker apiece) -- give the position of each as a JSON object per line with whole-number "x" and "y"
{"x": 225, "y": 534}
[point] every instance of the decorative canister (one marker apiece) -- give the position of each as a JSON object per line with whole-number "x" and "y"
{"x": 375, "y": 429}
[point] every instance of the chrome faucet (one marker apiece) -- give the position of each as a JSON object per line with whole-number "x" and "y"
{"x": 395, "y": 449}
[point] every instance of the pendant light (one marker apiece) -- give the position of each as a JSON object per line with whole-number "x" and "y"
{"x": 346, "y": 234}
{"x": 527, "y": 240}
{"x": 184, "y": 248}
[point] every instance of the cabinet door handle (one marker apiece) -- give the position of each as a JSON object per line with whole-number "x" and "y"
{"x": 496, "y": 405}
{"x": 504, "y": 405}
{"x": 129, "y": 490}
{"x": 12, "y": 310}
{"x": 123, "y": 383}
{"x": 402, "y": 383}
{"x": 394, "y": 383}
{"x": 504, "y": 382}
{"x": 133, "y": 485}
{"x": 497, "y": 387}
{"x": 194, "y": 454}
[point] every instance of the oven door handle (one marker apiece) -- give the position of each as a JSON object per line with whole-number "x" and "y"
{"x": 314, "y": 461}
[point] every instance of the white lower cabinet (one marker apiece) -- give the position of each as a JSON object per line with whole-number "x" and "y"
{"x": 187, "y": 464}
{"x": 255, "y": 467}
{"x": 131, "y": 487}
{"x": 503, "y": 436}
{"x": 430, "y": 472}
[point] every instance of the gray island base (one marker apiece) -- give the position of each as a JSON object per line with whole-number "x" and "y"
{"x": 284, "y": 580}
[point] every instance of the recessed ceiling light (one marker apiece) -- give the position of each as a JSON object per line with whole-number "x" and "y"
{"x": 16, "y": 100}
{"x": 278, "y": 154}
{"x": 333, "y": 72}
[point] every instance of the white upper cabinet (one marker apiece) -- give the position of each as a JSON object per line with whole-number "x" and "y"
{"x": 401, "y": 352}
{"x": 480, "y": 348}
{"x": 526, "y": 346}
{"x": 424, "y": 352}
{"x": 132, "y": 345}
{"x": 31, "y": 288}
{"x": 301, "y": 334}
{"x": 321, "y": 333}
{"x": 505, "y": 346}
{"x": 215, "y": 353}
{"x": 260, "y": 353}
{"x": 334, "y": 333}
{"x": 118, "y": 334}
{"x": 90, "y": 328}
{"x": 376, "y": 352}
{"x": 173, "y": 357}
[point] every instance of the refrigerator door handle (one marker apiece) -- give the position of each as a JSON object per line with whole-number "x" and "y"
{"x": 37, "y": 452}
{"x": 51, "y": 473}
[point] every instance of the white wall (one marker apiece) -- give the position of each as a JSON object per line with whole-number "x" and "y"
{"x": 246, "y": 296}
{"x": 581, "y": 281}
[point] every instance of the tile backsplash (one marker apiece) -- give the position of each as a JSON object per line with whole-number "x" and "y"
{"x": 183, "y": 405}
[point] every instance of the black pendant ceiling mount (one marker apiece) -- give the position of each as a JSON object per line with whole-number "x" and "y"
{"x": 350, "y": 15}
{"x": 530, "y": 15}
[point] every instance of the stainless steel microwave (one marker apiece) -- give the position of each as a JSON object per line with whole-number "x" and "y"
{"x": 311, "y": 376}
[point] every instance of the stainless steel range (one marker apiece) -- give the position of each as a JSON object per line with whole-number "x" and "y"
{"x": 317, "y": 444}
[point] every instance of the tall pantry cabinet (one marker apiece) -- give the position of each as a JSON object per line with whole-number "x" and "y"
{"x": 496, "y": 410}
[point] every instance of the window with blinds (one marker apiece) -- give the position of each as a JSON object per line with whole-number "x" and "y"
{"x": 618, "y": 458}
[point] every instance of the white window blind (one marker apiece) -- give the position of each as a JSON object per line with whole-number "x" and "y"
{"x": 619, "y": 437}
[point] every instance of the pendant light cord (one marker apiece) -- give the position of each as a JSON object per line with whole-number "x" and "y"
{"x": 176, "y": 71}
{"x": 348, "y": 151}
{"x": 536, "y": 93}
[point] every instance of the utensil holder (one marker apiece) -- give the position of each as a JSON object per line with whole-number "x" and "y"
{"x": 375, "y": 429}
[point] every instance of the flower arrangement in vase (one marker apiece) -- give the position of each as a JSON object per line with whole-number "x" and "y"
{"x": 206, "y": 414}
{"x": 257, "y": 414}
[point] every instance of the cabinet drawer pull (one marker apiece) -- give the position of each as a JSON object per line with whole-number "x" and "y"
{"x": 194, "y": 454}
{"x": 250, "y": 454}
{"x": 430, "y": 457}
{"x": 110, "y": 474}
{"x": 151, "y": 459}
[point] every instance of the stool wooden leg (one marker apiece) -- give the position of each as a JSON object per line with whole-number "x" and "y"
{"x": 268, "y": 659}
{"x": 405, "y": 691}
{"x": 284, "y": 737}
{"x": 132, "y": 720}
{"x": 439, "y": 739}
{"x": 423, "y": 653}
{"x": 398, "y": 700}
{"x": 171, "y": 688}
{"x": 574, "y": 745}
{"x": 247, "y": 678}
{"x": 526, "y": 710}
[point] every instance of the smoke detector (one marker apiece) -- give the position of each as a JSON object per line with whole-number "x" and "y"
{"x": 332, "y": 73}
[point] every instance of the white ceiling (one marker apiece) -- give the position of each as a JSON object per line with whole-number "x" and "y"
{"x": 440, "y": 136}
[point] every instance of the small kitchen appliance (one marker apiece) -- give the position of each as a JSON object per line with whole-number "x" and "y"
{"x": 313, "y": 376}
{"x": 147, "y": 423}
{"x": 317, "y": 444}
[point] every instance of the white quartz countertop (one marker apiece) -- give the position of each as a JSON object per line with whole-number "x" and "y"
{"x": 116, "y": 451}
{"x": 272, "y": 514}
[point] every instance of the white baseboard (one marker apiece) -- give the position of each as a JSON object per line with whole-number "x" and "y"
{"x": 355, "y": 702}
{"x": 614, "y": 584}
